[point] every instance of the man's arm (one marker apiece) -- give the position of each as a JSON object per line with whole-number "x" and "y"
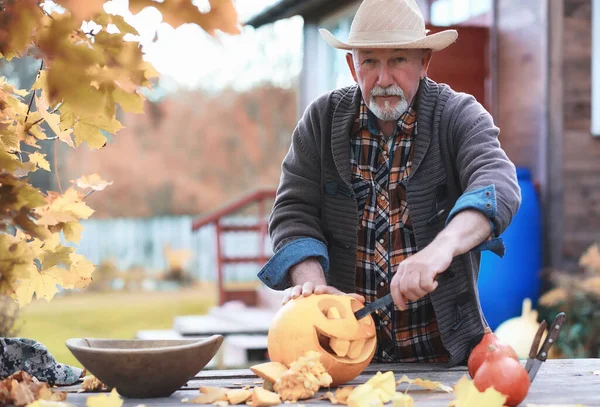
{"x": 491, "y": 198}
{"x": 295, "y": 220}
{"x": 308, "y": 278}
{"x": 416, "y": 275}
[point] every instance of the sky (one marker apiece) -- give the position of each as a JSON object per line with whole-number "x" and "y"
{"x": 187, "y": 58}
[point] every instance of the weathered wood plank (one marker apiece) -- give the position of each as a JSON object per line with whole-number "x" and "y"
{"x": 559, "y": 381}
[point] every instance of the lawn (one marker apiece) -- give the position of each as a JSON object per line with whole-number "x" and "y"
{"x": 107, "y": 315}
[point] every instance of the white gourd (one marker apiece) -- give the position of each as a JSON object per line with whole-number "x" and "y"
{"x": 519, "y": 331}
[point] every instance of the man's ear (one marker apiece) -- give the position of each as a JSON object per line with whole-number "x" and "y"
{"x": 425, "y": 60}
{"x": 350, "y": 61}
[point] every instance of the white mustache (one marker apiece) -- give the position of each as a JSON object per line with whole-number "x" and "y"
{"x": 393, "y": 90}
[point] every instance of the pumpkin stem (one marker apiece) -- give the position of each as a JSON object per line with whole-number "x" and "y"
{"x": 491, "y": 348}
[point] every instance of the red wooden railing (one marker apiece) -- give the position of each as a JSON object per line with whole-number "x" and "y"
{"x": 259, "y": 197}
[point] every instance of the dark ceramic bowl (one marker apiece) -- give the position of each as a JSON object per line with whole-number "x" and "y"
{"x": 140, "y": 368}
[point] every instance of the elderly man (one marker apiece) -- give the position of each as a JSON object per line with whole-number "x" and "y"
{"x": 394, "y": 185}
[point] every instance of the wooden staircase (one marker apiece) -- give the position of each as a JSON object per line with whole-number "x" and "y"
{"x": 258, "y": 197}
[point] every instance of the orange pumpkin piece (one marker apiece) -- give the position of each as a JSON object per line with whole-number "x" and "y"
{"x": 210, "y": 395}
{"x": 238, "y": 396}
{"x": 264, "y": 398}
{"x": 270, "y": 371}
{"x": 342, "y": 394}
{"x": 324, "y": 323}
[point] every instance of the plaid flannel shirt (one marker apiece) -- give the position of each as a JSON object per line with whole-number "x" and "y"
{"x": 380, "y": 168}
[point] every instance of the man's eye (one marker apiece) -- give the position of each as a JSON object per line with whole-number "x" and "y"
{"x": 400, "y": 59}
{"x": 368, "y": 61}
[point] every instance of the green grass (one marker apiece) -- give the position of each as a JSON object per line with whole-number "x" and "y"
{"x": 106, "y": 315}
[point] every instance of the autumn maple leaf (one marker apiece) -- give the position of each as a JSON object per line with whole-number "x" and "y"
{"x": 467, "y": 395}
{"x": 222, "y": 15}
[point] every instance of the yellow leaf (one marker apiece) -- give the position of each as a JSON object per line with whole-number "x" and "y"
{"x": 9, "y": 162}
{"x": 39, "y": 159}
{"x": 80, "y": 273}
{"x": 125, "y": 28}
{"x": 364, "y": 396}
{"x": 84, "y": 132}
{"x": 402, "y": 400}
{"x": 427, "y": 384}
{"x": 130, "y": 102}
{"x": 467, "y": 395}
{"x": 21, "y": 19}
{"x": 64, "y": 208}
{"x": 591, "y": 258}
{"x": 41, "y": 81}
{"x": 53, "y": 120}
{"x": 103, "y": 400}
{"x": 72, "y": 231}
{"x": 16, "y": 263}
{"x": 384, "y": 385}
{"x": 222, "y": 15}
{"x": 43, "y": 284}
{"x": 93, "y": 181}
{"x": 82, "y": 10}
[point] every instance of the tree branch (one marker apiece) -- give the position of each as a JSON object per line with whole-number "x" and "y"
{"x": 33, "y": 93}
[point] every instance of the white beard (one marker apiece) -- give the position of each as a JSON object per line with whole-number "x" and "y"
{"x": 388, "y": 113}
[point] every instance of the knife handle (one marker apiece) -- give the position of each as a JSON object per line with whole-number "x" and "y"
{"x": 553, "y": 333}
{"x": 535, "y": 346}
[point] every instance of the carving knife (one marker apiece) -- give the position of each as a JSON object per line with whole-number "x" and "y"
{"x": 374, "y": 306}
{"x": 553, "y": 332}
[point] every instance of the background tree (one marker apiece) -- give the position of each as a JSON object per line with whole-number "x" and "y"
{"x": 88, "y": 62}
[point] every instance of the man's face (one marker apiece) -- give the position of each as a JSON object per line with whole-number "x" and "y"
{"x": 388, "y": 78}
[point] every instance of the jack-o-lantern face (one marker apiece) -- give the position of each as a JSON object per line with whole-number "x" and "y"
{"x": 326, "y": 324}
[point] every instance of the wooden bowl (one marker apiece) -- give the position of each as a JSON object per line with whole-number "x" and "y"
{"x": 140, "y": 368}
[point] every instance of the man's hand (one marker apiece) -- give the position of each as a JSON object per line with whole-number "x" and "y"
{"x": 308, "y": 278}
{"x": 416, "y": 275}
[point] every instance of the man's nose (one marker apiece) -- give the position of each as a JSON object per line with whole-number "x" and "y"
{"x": 385, "y": 78}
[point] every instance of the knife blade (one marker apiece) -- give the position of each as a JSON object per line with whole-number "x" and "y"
{"x": 535, "y": 345}
{"x": 553, "y": 333}
{"x": 374, "y": 306}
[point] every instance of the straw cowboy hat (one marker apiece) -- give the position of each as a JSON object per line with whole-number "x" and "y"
{"x": 390, "y": 24}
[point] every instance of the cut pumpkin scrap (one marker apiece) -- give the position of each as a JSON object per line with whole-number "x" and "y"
{"x": 402, "y": 400}
{"x": 92, "y": 383}
{"x": 303, "y": 379}
{"x": 210, "y": 395}
{"x": 264, "y": 398}
{"x": 342, "y": 393}
{"x": 467, "y": 395}
{"x": 270, "y": 371}
{"x": 427, "y": 384}
{"x": 238, "y": 396}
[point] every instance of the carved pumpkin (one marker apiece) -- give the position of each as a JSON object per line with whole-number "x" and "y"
{"x": 326, "y": 324}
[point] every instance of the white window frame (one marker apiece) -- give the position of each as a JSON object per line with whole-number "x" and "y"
{"x": 595, "y": 119}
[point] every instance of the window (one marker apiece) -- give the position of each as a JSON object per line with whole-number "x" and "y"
{"x": 595, "y": 130}
{"x": 338, "y": 74}
{"x": 453, "y": 12}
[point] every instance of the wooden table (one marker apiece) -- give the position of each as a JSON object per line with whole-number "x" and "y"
{"x": 559, "y": 381}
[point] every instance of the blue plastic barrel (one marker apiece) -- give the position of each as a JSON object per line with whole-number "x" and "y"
{"x": 505, "y": 282}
